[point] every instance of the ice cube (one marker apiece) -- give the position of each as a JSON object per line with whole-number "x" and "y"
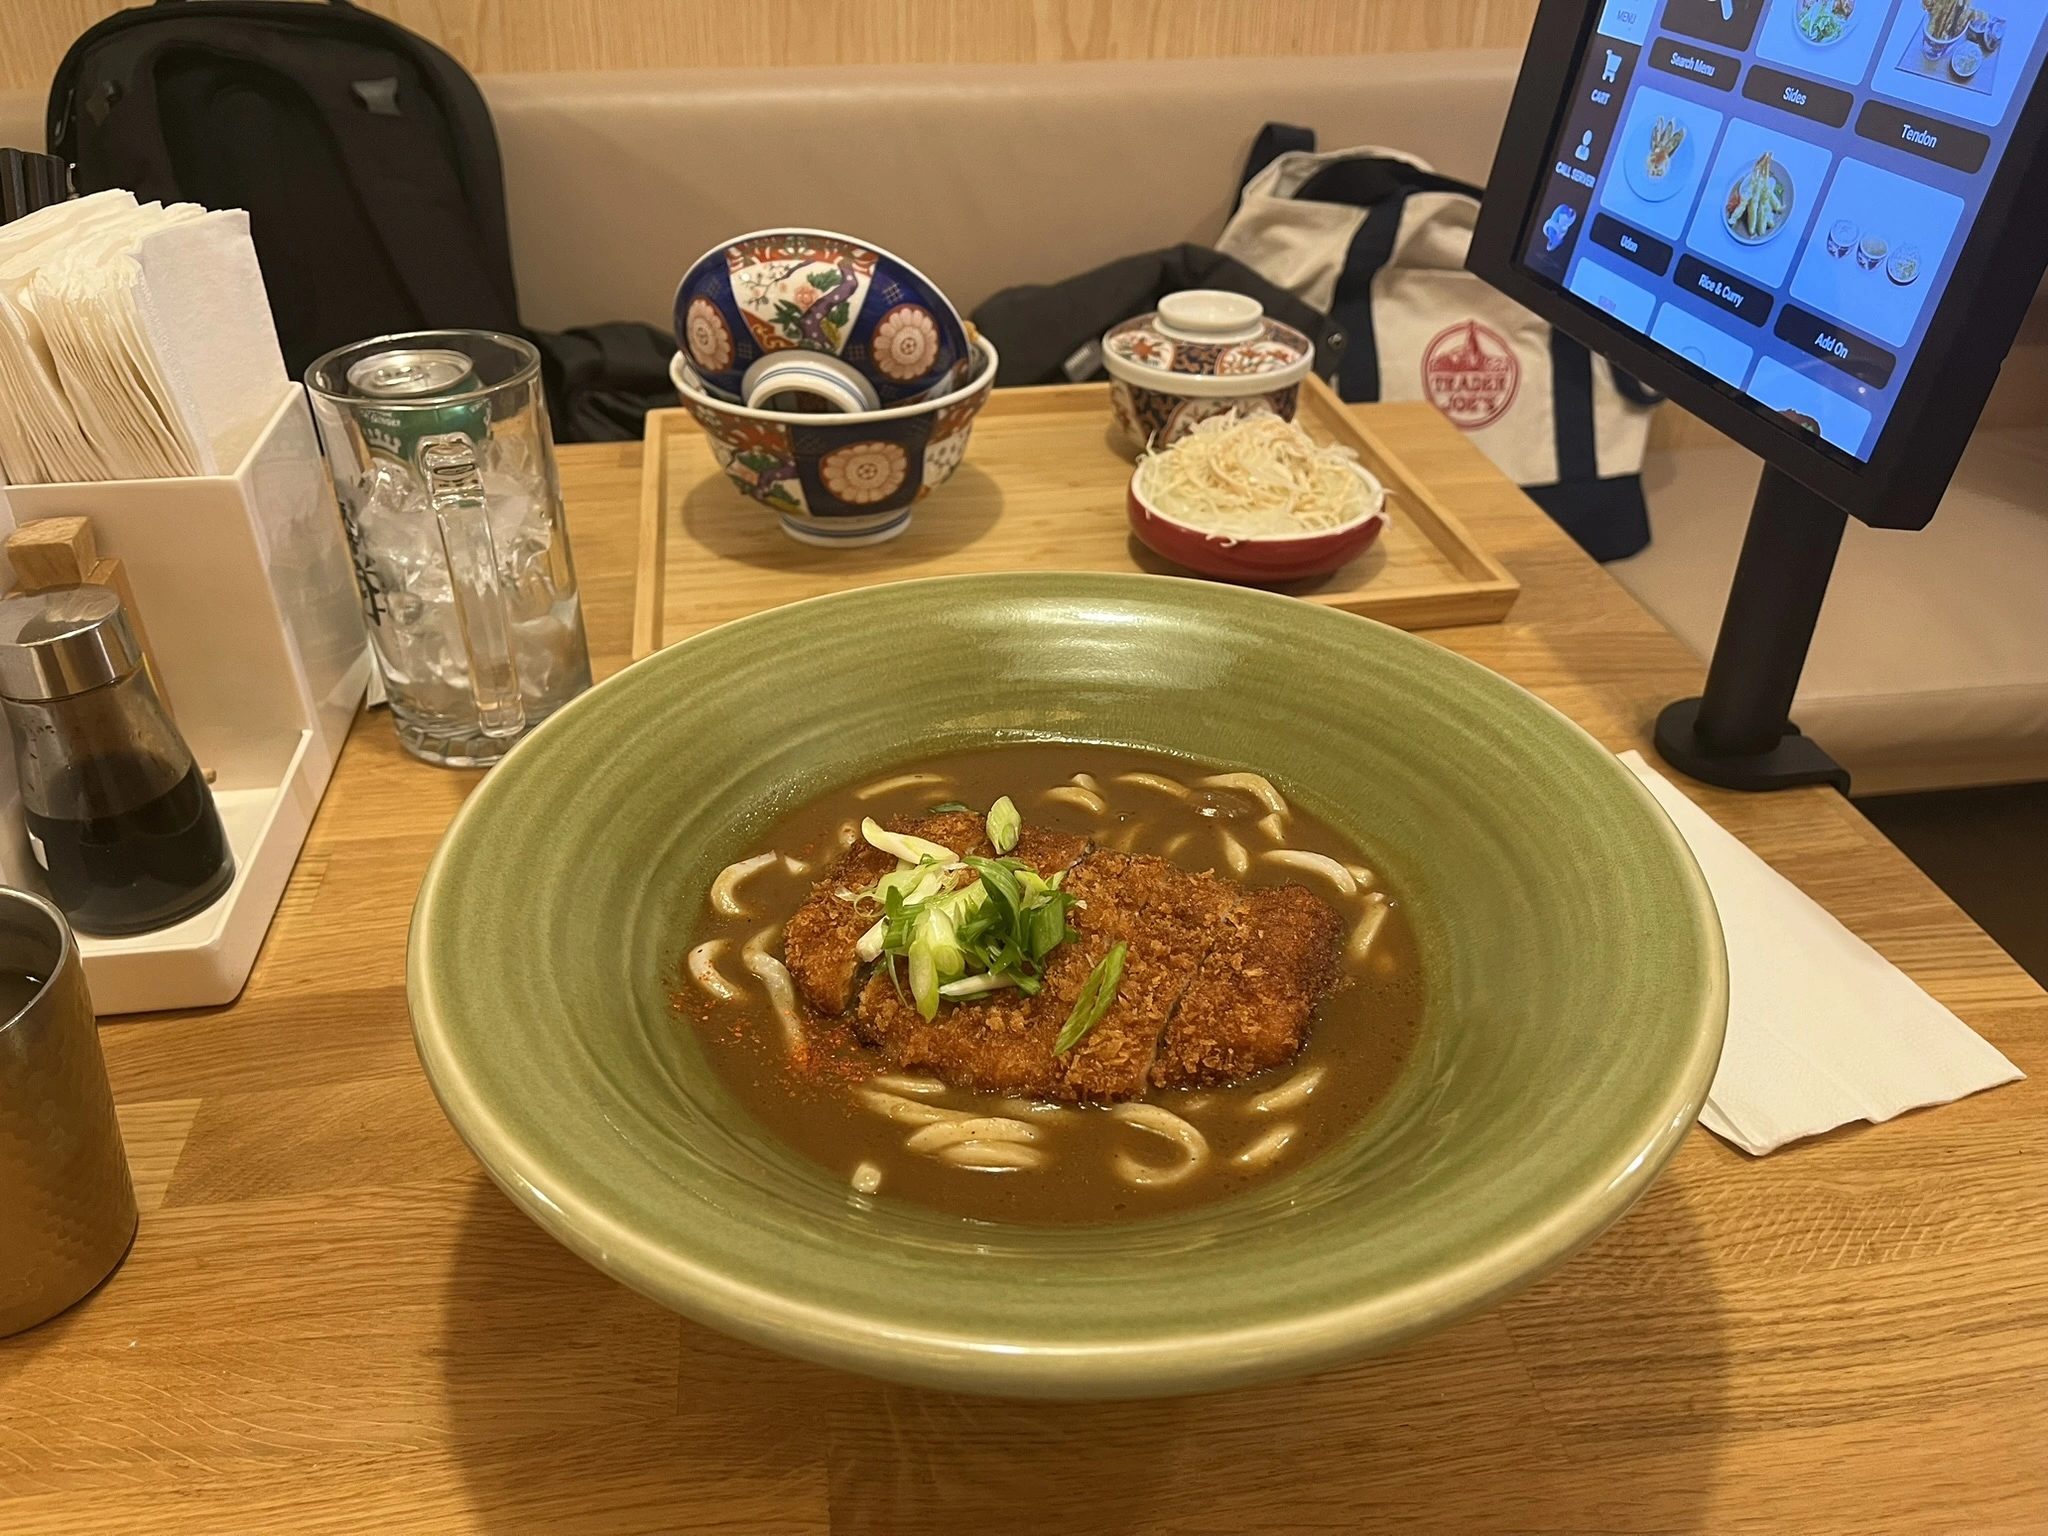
{"x": 514, "y": 503}
{"x": 523, "y": 522}
{"x": 425, "y": 669}
{"x": 553, "y": 661}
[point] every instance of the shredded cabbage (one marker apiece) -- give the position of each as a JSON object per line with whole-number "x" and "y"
{"x": 1255, "y": 476}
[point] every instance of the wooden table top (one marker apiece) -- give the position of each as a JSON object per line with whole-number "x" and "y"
{"x": 332, "y": 1321}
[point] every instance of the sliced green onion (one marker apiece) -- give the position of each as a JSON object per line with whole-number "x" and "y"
{"x": 1004, "y": 893}
{"x": 924, "y": 979}
{"x": 962, "y": 905}
{"x": 1045, "y": 929}
{"x": 975, "y": 986}
{"x": 915, "y": 882}
{"x": 1097, "y": 993}
{"x": 967, "y": 940}
{"x": 950, "y": 805}
{"x": 1004, "y": 823}
{"x": 937, "y": 934}
{"x": 912, "y": 850}
{"x": 869, "y": 946}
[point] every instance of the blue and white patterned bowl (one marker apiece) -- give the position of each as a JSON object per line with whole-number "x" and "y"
{"x": 841, "y": 480}
{"x": 777, "y": 289}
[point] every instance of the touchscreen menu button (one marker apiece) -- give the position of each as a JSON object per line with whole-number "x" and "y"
{"x": 1930, "y": 138}
{"x": 1802, "y": 98}
{"x": 1731, "y": 23}
{"x": 1689, "y": 61}
{"x": 1724, "y": 290}
{"x": 1646, "y": 251}
{"x": 1864, "y": 361}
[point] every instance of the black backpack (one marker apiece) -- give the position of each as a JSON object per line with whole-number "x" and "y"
{"x": 368, "y": 164}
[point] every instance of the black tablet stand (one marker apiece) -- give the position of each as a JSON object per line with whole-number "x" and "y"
{"x": 1739, "y": 734}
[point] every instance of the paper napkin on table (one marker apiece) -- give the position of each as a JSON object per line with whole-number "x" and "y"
{"x": 1822, "y": 1029}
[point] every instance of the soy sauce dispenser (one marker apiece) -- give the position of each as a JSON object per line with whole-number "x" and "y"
{"x": 118, "y": 814}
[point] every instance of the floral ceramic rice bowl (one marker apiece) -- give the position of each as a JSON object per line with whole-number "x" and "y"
{"x": 779, "y": 289}
{"x": 840, "y": 480}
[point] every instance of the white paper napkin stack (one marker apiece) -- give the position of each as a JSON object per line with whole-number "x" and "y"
{"x": 1822, "y": 1029}
{"x": 135, "y": 342}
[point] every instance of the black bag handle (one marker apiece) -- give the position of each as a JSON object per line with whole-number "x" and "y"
{"x": 1631, "y": 388}
{"x": 1571, "y": 409}
{"x": 1383, "y": 186}
{"x": 1274, "y": 140}
{"x": 1608, "y": 519}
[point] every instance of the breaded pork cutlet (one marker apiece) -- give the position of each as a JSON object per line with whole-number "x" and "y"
{"x": 999, "y": 1044}
{"x": 1218, "y": 983}
{"x": 1251, "y": 1002}
{"x": 1164, "y": 916}
{"x": 819, "y": 938}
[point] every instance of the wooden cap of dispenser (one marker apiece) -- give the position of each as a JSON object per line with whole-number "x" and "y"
{"x": 61, "y": 552}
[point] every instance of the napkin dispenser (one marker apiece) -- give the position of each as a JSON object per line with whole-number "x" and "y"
{"x": 257, "y": 634}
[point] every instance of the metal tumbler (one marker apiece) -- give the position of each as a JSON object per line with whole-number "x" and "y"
{"x": 67, "y": 1208}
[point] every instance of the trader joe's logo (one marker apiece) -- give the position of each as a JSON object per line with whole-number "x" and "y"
{"x": 1470, "y": 374}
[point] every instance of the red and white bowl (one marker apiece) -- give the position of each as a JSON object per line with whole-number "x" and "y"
{"x": 1202, "y": 353}
{"x": 1261, "y": 559}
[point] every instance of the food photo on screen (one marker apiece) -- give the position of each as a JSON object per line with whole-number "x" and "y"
{"x": 1709, "y": 188}
{"x": 1604, "y": 288}
{"x": 1701, "y": 342}
{"x": 1875, "y": 248}
{"x": 1806, "y": 402}
{"x": 1833, "y": 39}
{"x": 1758, "y": 196}
{"x": 1961, "y": 58}
{"x": 1665, "y": 144}
{"x": 1727, "y": 24}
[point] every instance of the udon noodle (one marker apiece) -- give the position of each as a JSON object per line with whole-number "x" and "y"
{"x": 894, "y": 1125}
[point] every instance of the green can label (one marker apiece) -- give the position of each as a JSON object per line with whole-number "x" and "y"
{"x": 396, "y": 408}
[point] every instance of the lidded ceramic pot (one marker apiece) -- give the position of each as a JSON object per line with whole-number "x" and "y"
{"x": 1201, "y": 353}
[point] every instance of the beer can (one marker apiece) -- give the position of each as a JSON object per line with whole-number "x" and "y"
{"x": 397, "y": 391}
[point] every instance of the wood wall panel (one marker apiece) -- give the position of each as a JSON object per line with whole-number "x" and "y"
{"x": 532, "y": 35}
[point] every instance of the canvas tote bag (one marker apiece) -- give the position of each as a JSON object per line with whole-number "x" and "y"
{"x": 1377, "y": 240}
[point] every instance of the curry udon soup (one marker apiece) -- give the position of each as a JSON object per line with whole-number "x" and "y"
{"x": 1054, "y": 983}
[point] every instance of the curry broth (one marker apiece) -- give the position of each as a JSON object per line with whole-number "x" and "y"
{"x": 1363, "y": 1033}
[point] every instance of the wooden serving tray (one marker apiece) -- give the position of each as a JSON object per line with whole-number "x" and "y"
{"x": 1042, "y": 489}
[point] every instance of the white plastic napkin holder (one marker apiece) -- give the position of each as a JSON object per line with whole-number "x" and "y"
{"x": 249, "y": 595}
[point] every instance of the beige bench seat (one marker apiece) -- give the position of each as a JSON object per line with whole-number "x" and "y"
{"x": 1931, "y": 665}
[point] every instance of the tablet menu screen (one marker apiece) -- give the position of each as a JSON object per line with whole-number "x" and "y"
{"x": 1777, "y": 190}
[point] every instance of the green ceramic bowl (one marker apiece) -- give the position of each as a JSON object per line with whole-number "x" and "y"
{"x": 1576, "y": 983}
